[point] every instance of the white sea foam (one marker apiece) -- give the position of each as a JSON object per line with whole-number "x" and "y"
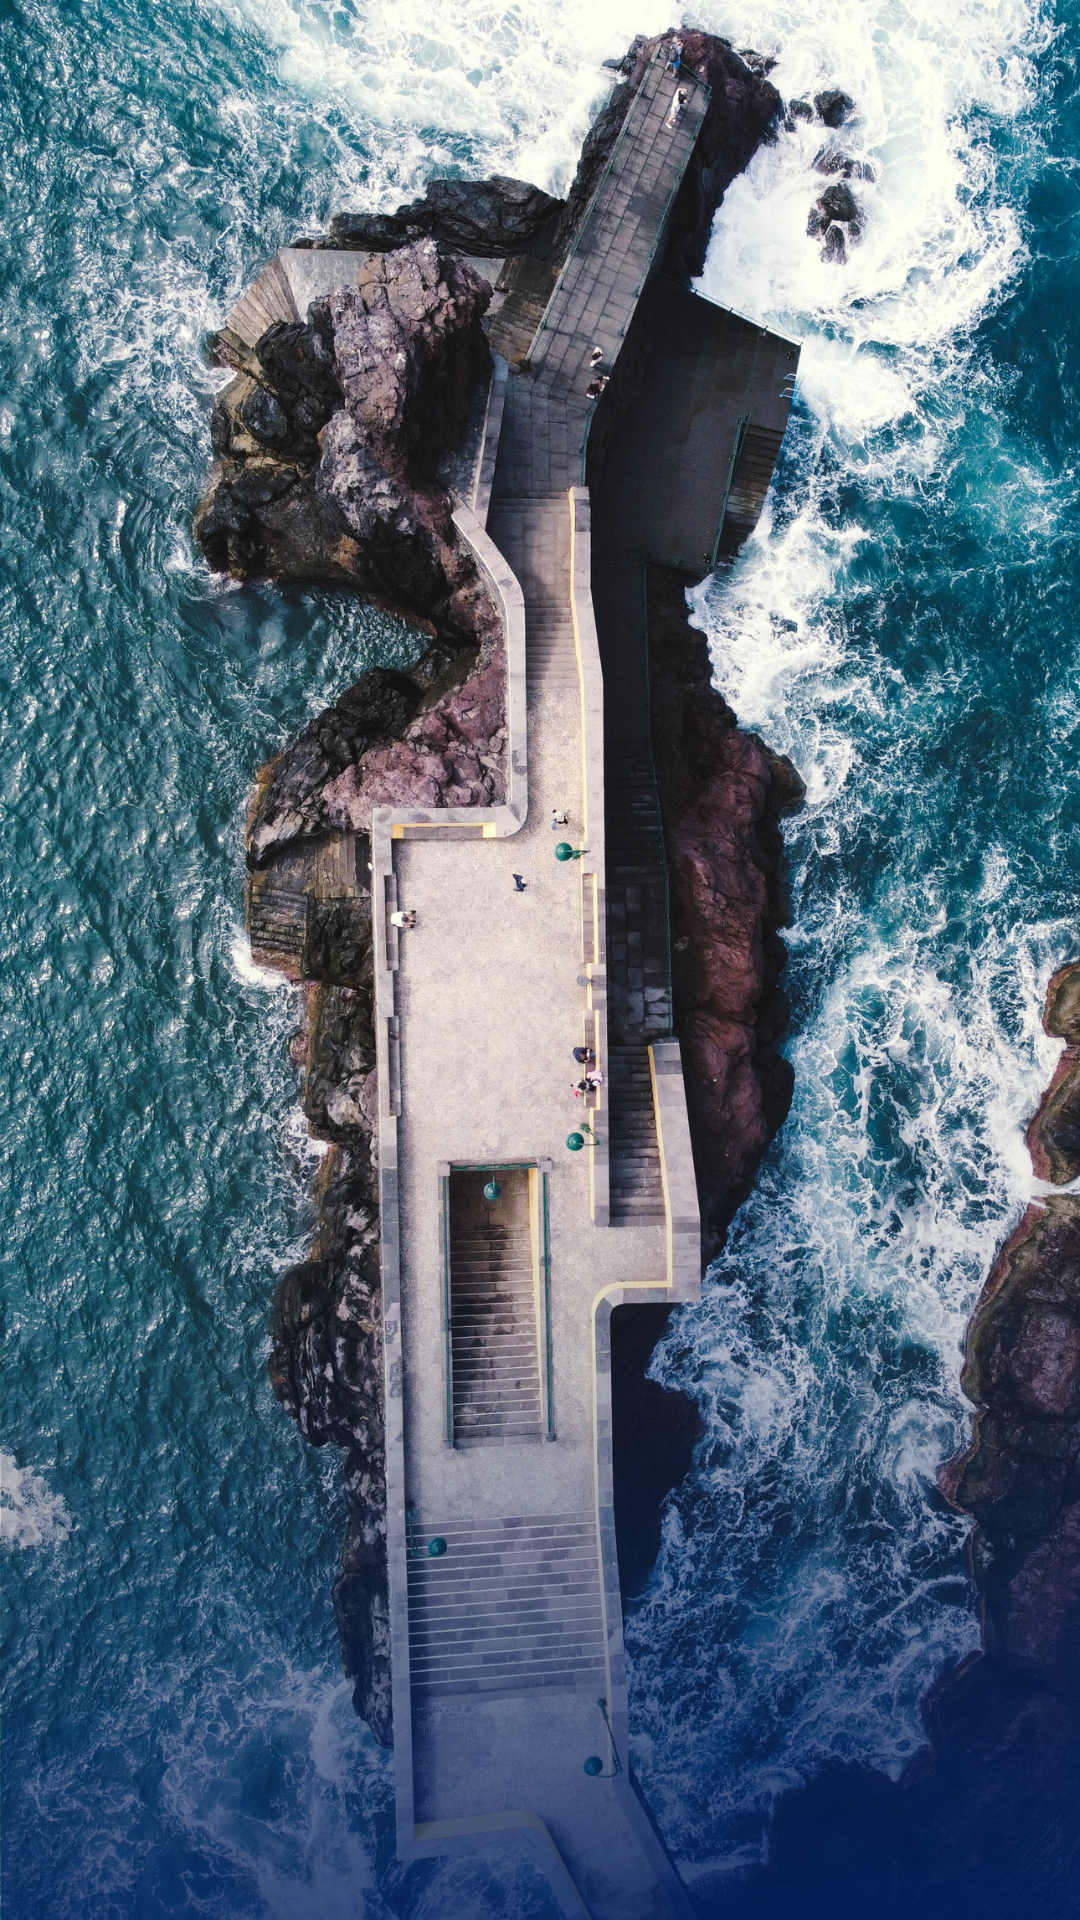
{"x": 30, "y": 1515}
{"x": 249, "y": 972}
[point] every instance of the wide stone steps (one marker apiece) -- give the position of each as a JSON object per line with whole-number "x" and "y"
{"x": 535, "y": 537}
{"x": 637, "y": 1191}
{"x": 269, "y": 299}
{"x": 277, "y": 922}
{"x": 495, "y": 1370}
{"x": 526, "y": 285}
{"x": 750, "y": 483}
{"x": 511, "y": 1604}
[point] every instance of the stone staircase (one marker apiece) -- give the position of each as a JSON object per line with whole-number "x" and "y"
{"x": 636, "y": 1189}
{"x": 277, "y": 923}
{"x": 534, "y": 535}
{"x": 270, "y": 298}
{"x": 510, "y": 1604}
{"x": 494, "y": 1353}
{"x": 526, "y": 285}
{"x": 750, "y": 482}
{"x": 639, "y": 980}
{"x": 639, "y": 966}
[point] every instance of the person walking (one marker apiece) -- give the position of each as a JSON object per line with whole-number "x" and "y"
{"x": 679, "y": 102}
{"x": 519, "y": 882}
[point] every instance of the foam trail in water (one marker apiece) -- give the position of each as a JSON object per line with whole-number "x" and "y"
{"x": 30, "y": 1515}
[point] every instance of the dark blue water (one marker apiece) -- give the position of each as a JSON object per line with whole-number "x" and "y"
{"x": 178, "y": 1737}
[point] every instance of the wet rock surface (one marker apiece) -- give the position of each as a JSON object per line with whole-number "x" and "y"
{"x": 1053, "y": 1137}
{"x": 722, "y": 796}
{"x": 489, "y": 218}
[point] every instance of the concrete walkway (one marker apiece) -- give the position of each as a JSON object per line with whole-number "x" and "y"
{"x": 510, "y": 1713}
{"x": 508, "y": 1635}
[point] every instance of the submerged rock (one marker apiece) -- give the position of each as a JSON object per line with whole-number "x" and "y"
{"x": 833, "y": 106}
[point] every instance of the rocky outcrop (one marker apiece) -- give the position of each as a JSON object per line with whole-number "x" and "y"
{"x": 389, "y": 739}
{"x": 489, "y": 218}
{"x": 1020, "y": 1478}
{"x": 722, "y": 794}
{"x": 330, "y": 438}
{"x": 1053, "y": 1137}
{"x": 326, "y": 1364}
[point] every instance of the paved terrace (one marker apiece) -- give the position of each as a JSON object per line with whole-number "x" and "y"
{"x": 507, "y": 1646}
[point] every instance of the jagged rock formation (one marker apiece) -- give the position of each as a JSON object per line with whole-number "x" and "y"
{"x": 836, "y": 217}
{"x": 1020, "y": 1478}
{"x": 330, "y": 437}
{"x": 1053, "y": 1137}
{"x": 722, "y": 793}
{"x": 490, "y": 218}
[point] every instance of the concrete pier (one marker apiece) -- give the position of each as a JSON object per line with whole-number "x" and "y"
{"x": 509, "y": 1687}
{"x": 514, "y": 1216}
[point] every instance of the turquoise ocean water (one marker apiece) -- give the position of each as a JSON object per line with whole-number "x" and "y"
{"x": 178, "y": 1739}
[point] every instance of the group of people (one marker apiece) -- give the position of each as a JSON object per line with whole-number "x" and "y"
{"x": 592, "y": 1077}
{"x": 681, "y": 98}
{"x": 600, "y": 378}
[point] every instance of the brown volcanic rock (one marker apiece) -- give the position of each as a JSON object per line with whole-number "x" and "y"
{"x": 1023, "y": 1341}
{"x": 1020, "y": 1477}
{"x": 409, "y": 352}
{"x": 722, "y": 793}
{"x": 1053, "y": 1137}
{"x": 451, "y": 755}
